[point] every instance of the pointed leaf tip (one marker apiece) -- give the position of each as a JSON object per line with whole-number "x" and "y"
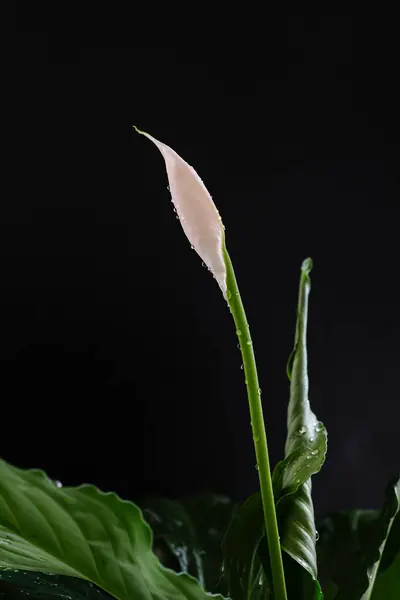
{"x": 138, "y": 130}
{"x": 307, "y": 266}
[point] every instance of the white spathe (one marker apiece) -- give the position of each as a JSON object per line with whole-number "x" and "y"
{"x": 196, "y": 210}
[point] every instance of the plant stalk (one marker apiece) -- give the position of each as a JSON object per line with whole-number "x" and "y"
{"x": 258, "y": 428}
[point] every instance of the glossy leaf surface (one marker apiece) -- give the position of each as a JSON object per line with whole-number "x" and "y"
{"x": 85, "y": 533}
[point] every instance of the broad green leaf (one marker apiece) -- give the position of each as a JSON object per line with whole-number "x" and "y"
{"x": 352, "y": 550}
{"x": 245, "y": 575}
{"x": 20, "y": 585}
{"x": 304, "y": 451}
{"x": 83, "y": 532}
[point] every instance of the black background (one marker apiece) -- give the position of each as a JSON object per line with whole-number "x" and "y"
{"x": 119, "y": 363}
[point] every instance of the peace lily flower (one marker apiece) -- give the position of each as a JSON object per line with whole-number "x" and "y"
{"x": 196, "y": 210}
{"x": 203, "y": 227}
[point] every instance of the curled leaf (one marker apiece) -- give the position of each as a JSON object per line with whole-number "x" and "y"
{"x": 305, "y": 449}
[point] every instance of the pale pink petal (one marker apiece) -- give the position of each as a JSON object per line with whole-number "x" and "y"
{"x": 197, "y": 212}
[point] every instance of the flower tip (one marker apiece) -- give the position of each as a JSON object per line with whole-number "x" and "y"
{"x": 307, "y": 266}
{"x": 196, "y": 211}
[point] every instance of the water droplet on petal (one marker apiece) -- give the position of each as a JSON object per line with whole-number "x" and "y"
{"x": 316, "y": 536}
{"x": 311, "y": 439}
{"x": 301, "y": 431}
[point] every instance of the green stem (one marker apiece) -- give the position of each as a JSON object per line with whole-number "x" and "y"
{"x": 258, "y": 427}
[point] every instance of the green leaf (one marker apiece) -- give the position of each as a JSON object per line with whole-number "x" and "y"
{"x": 299, "y": 584}
{"x": 211, "y": 515}
{"x": 353, "y": 552}
{"x": 172, "y": 525}
{"x": 244, "y": 572}
{"x": 17, "y": 585}
{"x": 83, "y": 532}
{"x": 191, "y": 532}
{"x": 392, "y": 546}
{"x": 245, "y": 546}
{"x": 387, "y": 583}
{"x": 305, "y": 450}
